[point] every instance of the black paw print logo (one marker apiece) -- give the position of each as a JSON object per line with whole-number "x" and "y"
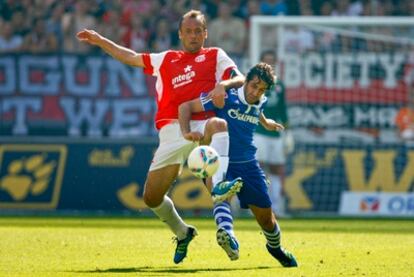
{"x": 27, "y": 175}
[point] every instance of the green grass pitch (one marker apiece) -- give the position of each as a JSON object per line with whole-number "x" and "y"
{"x": 83, "y": 246}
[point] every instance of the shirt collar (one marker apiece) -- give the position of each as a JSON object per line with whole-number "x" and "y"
{"x": 240, "y": 93}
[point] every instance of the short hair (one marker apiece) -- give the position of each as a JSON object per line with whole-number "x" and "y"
{"x": 194, "y": 14}
{"x": 267, "y": 52}
{"x": 264, "y": 72}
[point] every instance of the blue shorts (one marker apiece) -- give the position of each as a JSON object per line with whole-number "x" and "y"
{"x": 255, "y": 189}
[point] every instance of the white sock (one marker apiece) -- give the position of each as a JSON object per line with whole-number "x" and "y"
{"x": 220, "y": 142}
{"x": 168, "y": 214}
{"x": 275, "y": 192}
{"x": 223, "y": 217}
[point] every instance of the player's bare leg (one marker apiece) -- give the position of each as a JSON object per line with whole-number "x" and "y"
{"x": 217, "y": 136}
{"x": 271, "y": 230}
{"x": 157, "y": 184}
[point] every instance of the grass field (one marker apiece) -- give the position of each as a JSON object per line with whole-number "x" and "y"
{"x": 34, "y": 246}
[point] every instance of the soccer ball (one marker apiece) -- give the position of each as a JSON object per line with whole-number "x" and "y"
{"x": 203, "y": 161}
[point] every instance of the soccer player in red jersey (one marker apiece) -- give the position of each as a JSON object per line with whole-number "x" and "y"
{"x": 182, "y": 76}
{"x": 404, "y": 119}
{"x": 405, "y": 122}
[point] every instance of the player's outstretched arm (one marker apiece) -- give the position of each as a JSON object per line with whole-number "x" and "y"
{"x": 122, "y": 54}
{"x": 184, "y": 116}
{"x": 270, "y": 124}
{"x": 219, "y": 92}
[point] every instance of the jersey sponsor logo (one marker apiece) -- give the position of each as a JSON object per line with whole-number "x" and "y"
{"x": 185, "y": 78}
{"x": 200, "y": 58}
{"x": 236, "y": 114}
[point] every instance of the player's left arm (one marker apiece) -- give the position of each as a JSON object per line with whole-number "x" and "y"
{"x": 184, "y": 116}
{"x": 270, "y": 124}
{"x": 218, "y": 94}
{"x": 228, "y": 76}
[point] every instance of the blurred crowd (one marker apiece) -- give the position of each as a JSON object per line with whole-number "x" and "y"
{"x": 37, "y": 26}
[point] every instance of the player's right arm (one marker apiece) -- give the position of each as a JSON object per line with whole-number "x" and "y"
{"x": 229, "y": 76}
{"x": 184, "y": 116}
{"x": 218, "y": 94}
{"x": 122, "y": 54}
{"x": 204, "y": 103}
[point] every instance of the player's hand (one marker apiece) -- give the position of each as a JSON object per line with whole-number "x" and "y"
{"x": 218, "y": 95}
{"x": 89, "y": 36}
{"x": 193, "y": 136}
{"x": 272, "y": 125}
{"x": 288, "y": 142}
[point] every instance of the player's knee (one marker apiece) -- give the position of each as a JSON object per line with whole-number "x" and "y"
{"x": 151, "y": 200}
{"x": 218, "y": 125}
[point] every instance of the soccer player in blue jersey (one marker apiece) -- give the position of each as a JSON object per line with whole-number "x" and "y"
{"x": 243, "y": 111}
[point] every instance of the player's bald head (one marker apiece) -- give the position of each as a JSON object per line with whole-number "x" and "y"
{"x": 195, "y": 14}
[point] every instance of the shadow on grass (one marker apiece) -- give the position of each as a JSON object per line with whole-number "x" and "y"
{"x": 173, "y": 270}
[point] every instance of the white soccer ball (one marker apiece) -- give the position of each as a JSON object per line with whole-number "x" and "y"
{"x": 203, "y": 161}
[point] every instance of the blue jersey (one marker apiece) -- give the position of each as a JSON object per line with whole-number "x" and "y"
{"x": 242, "y": 119}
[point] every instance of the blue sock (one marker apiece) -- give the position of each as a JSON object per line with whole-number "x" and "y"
{"x": 224, "y": 219}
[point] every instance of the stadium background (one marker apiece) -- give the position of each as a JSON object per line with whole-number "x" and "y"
{"x": 76, "y": 127}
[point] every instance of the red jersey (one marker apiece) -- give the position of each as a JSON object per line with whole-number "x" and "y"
{"x": 183, "y": 76}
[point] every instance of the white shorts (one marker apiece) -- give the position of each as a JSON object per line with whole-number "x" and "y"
{"x": 173, "y": 148}
{"x": 269, "y": 149}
